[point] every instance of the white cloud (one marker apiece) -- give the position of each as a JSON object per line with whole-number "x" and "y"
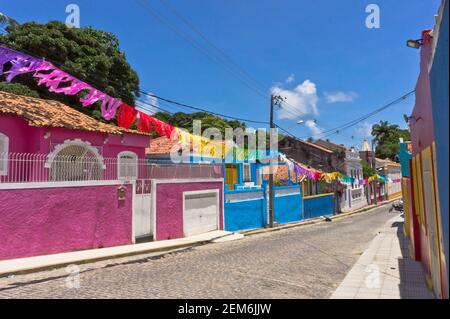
{"x": 364, "y": 129}
{"x": 301, "y": 100}
{"x": 340, "y": 96}
{"x": 313, "y": 127}
{"x": 290, "y": 78}
{"x": 144, "y": 104}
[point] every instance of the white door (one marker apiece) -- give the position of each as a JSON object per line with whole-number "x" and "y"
{"x": 142, "y": 208}
{"x": 200, "y": 212}
{"x": 142, "y": 213}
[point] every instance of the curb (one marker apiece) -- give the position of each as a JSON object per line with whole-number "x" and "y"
{"x": 62, "y": 264}
{"x": 316, "y": 220}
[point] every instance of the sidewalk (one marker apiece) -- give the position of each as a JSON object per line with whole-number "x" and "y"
{"x": 384, "y": 270}
{"x": 23, "y": 265}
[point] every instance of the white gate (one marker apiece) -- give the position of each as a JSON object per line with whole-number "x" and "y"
{"x": 142, "y": 210}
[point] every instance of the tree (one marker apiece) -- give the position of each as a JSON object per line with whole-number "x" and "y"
{"x": 387, "y": 137}
{"x": 91, "y": 55}
{"x": 17, "y": 88}
{"x": 185, "y": 120}
{"x": 368, "y": 170}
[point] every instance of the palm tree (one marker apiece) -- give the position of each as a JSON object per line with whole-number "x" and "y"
{"x": 381, "y": 131}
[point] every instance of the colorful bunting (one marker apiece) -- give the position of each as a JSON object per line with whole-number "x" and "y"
{"x": 58, "y": 81}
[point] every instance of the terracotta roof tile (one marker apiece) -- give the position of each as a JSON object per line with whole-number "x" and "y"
{"x": 47, "y": 113}
{"x": 162, "y": 146}
{"x": 317, "y": 146}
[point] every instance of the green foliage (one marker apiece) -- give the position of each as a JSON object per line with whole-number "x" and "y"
{"x": 17, "y": 88}
{"x": 91, "y": 55}
{"x": 185, "y": 121}
{"x": 368, "y": 170}
{"x": 387, "y": 137}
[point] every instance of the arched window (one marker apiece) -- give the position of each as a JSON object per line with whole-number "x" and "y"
{"x": 75, "y": 160}
{"x": 4, "y": 147}
{"x": 127, "y": 165}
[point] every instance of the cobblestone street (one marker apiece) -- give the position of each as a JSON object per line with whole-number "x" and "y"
{"x": 302, "y": 262}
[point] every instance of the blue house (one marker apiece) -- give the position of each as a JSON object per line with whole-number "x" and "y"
{"x": 245, "y": 186}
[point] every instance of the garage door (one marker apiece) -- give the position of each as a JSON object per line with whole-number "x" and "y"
{"x": 200, "y": 213}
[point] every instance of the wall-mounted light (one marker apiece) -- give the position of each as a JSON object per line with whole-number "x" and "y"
{"x": 47, "y": 135}
{"x": 415, "y": 44}
{"x": 106, "y": 140}
{"x": 122, "y": 139}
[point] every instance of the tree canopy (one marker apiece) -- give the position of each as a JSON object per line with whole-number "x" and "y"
{"x": 387, "y": 137}
{"x": 91, "y": 55}
{"x": 185, "y": 121}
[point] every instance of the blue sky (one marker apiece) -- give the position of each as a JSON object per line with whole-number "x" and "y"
{"x": 319, "y": 54}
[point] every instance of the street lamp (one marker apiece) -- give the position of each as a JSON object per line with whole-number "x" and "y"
{"x": 415, "y": 44}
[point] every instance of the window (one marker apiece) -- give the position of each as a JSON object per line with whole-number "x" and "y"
{"x": 246, "y": 172}
{"x": 127, "y": 165}
{"x": 4, "y": 145}
{"x": 75, "y": 160}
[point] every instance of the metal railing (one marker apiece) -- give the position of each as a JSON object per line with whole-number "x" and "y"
{"x": 27, "y": 168}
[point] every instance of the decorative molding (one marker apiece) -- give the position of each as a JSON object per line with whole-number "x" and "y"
{"x": 59, "y": 147}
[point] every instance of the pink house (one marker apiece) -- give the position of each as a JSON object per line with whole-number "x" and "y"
{"x": 69, "y": 182}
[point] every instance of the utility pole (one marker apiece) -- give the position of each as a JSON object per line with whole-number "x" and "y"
{"x": 271, "y": 197}
{"x": 374, "y": 166}
{"x": 274, "y": 100}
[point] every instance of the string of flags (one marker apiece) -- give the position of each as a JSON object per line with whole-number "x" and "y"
{"x": 58, "y": 81}
{"x": 329, "y": 177}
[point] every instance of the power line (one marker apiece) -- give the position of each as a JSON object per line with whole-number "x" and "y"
{"x": 347, "y": 125}
{"x": 342, "y": 127}
{"x": 148, "y": 8}
{"x": 219, "y": 59}
{"x": 210, "y": 43}
{"x": 202, "y": 109}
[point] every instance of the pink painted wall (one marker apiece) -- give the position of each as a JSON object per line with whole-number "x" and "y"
{"x": 169, "y": 207}
{"x": 24, "y": 138}
{"x": 421, "y": 123}
{"x": 53, "y": 220}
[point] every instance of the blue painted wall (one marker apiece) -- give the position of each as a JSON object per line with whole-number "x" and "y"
{"x": 404, "y": 156}
{"x": 440, "y": 104}
{"x": 287, "y": 208}
{"x": 245, "y": 214}
{"x": 318, "y": 206}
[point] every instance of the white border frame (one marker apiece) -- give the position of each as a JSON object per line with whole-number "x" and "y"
{"x": 27, "y": 185}
{"x": 155, "y": 182}
{"x": 130, "y": 153}
{"x": 58, "y": 148}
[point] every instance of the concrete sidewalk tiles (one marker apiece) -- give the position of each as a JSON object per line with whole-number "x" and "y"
{"x": 384, "y": 270}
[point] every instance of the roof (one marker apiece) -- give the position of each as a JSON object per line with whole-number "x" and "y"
{"x": 317, "y": 146}
{"x": 162, "y": 146}
{"x": 48, "y": 113}
{"x": 331, "y": 146}
{"x": 386, "y": 162}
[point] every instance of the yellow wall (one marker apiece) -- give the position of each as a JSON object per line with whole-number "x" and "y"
{"x": 406, "y": 226}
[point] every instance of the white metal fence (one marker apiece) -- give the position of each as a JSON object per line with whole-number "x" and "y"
{"x": 26, "y": 167}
